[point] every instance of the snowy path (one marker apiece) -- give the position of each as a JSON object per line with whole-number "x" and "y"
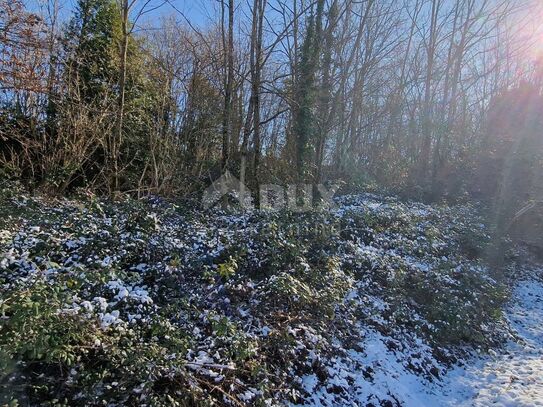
{"x": 514, "y": 377}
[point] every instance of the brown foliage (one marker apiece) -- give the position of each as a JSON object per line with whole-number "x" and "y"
{"x": 22, "y": 48}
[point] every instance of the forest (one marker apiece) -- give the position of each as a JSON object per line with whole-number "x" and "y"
{"x": 143, "y": 260}
{"x": 434, "y": 99}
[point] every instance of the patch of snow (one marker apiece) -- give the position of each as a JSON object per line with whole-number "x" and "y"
{"x": 512, "y": 377}
{"x": 375, "y": 373}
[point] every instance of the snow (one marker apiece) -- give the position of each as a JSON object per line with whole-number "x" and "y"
{"x": 136, "y": 293}
{"x": 513, "y": 376}
{"x": 376, "y": 348}
{"x": 110, "y": 319}
{"x": 378, "y": 372}
{"x": 373, "y": 375}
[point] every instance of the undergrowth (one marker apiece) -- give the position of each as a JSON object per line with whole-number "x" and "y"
{"x": 146, "y": 303}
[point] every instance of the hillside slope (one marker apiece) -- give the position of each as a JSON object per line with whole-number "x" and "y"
{"x": 147, "y": 303}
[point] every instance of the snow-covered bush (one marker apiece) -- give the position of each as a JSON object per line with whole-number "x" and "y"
{"x": 142, "y": 302}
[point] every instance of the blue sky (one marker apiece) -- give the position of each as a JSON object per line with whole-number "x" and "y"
{"x": 198, "y": 11}
{"x": 195, "y": 10}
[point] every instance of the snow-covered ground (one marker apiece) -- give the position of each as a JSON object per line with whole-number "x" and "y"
{"x": 512, "y": 377}
{"x": 369, "y": 305}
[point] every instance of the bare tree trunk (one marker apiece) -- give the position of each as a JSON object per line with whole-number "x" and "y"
{"x": 256, "y": 74}
{"x": 115, "y": 145}
{"x": 427, "y": 107}
{"x": 53, "y": 11}
{"x": 229, "y": 82}
{"x": 325, "y": 96}
{"x": 244, "y": 143}
{"x": 250, "y": 109}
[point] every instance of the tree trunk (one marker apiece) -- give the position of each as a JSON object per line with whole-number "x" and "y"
{"x": 118, "y": 134}
{"x": 427, "y": 107}
{"x": 227, "y": 115}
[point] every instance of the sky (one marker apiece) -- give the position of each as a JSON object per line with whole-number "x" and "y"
{"x": 200, "y": 13}
{"x": 194, "y": 10}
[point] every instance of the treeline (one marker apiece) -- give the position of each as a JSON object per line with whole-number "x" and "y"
{"x": 434, "y": 97}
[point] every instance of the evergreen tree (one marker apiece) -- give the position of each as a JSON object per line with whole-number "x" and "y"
{"x": 91, "y": 37}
